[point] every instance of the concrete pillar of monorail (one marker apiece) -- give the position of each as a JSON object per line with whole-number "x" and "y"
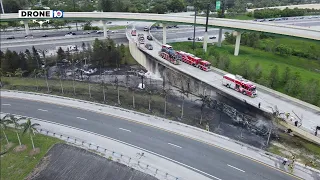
{"x": 220, "y": 37}
{"x": 164, "y": 34}
{"x": 105, "y": 30}
{"x": 237, "y": 45}
{"x": 26, "y": 27}
{"x": 205, "y": 41}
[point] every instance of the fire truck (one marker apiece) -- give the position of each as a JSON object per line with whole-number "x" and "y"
{"x": 133, "y": 32}
{"x": 168, "y": 54}
{"x": 193, "y": 60}
{"x": 239, "y": 84}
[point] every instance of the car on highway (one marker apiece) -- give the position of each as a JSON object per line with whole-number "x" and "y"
{"x": 190, "y": 38}
{"x": 149, "y": 46}
{"x": 109, "y": 22}
{"x": 86, "y": 32}
{"x": 212, "y": 37}
{"x": 11, "y": 37}
{"x": 70, "y": 34}
{"x": 114, "y": 31}
{"x": 149, "y": 37}
{"x": 284, "y": 18}
{"x": 99, "y": 32}
{"x": 44, "y": 35}
{"x": 93, "y": 31}
{"x": 146, "y": 28}
{"x": 30, "y": 36}
{"x": 200, "y": 38}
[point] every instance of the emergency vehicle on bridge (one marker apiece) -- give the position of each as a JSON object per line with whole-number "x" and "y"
{"x": 239, "y": 84}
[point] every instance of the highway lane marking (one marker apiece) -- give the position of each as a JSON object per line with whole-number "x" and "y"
{"x": 149, "y": 125}
{"x": 82, "y": 118}
{"x": 174, "y": 145}
{"x": 236, "y": 168}
{"x": 6, "y": 104}
{"x": 43, "y": 110}
{"x": 124, "y": 129}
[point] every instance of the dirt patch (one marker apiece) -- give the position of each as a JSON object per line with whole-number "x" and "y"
{"x": 64, "y": 161}
{"x": 8, "y": 146}
{"x": 42, "y": 165}
{"x": 20, "y": 148}
{"x": 34, "y": 151}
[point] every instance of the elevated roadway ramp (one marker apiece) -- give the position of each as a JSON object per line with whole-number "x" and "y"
{"x": 267, "y": 97}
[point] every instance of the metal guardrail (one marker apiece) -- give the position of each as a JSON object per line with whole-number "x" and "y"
{"x": 133, "y": 162}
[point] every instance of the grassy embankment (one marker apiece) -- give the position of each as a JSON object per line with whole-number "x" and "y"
{"x": 307, "y": 68}
{"x": 17, "y": 165}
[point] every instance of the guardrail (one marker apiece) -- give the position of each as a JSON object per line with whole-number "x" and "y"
{"x": 133, "y": 162}
{"x": 262, "y": 152}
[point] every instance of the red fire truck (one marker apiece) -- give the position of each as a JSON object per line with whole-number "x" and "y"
{"x": 168, "y": 54}
{"x": 239, "y": 84}
{"x": 193, "y": 60}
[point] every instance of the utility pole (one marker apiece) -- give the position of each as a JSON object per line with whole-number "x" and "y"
{"x": 74, "y": 9}
{"x": 270, "y": 131}
{"x": 194, "y": 27}
{"x": 2, "y": 7}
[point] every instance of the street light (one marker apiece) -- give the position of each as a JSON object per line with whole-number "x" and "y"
{"x": 74, "y": 9}
{"x": 194, "y": 26}
{"x": 2, "y": 7}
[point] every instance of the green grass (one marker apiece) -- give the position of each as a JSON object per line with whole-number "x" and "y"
{"x": 17, "y": 165}
{"x": 267, "y": 60}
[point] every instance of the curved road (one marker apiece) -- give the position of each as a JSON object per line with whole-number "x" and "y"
{"x": 218, "y": 163}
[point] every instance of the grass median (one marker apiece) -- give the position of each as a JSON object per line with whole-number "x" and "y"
{"x": 17, "y": 165}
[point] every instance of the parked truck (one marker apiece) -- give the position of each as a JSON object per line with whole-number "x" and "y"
{"x": 239, "y": 84}
{"x": 193, "y": 60}
{"x": 168, "y": 54}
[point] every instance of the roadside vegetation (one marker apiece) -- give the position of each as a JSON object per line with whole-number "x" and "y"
{"x": 267, "y": 65}
{"x": 19, "y": 153}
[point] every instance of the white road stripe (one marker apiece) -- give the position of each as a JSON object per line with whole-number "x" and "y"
{"x": 6, "y": 104}
{"x": 125, "y": 129}
{"x": 82, "y": 118}
{"x": 236, "y": 168}
{"x": 174, "y": 145}
{"x": 42, "y": 110}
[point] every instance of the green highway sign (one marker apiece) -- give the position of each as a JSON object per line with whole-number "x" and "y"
{"x": 217, "y": 5}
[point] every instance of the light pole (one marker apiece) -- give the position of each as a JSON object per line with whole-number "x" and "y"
{"x": 74, "y": 9}
{"x": 194, "y": 26}
{"x": 2, "y": 7}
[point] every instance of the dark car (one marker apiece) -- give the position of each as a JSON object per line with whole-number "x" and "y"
{"x": 11, "y": 37}
{"x": 149, "y": 46}
{"x": 45, "y": 35}
{"x": 190, "y": 38}
{"x": 212, "y": 37}
{"x": 99, "y": 32}
{"x": 149, "y": 38}
{"x": 28, "y": 36}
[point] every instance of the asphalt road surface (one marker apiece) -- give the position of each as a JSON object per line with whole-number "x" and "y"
{"x": 219, "y": 163}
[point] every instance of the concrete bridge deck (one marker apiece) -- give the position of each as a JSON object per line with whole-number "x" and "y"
{"x": 267, "y": 97}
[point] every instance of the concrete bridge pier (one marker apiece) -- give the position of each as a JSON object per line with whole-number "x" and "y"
{"x": 105, "y": 30}
{"x": 220, "y": 37}
{"x": 237, "y": 45}
{"x": 164, "y": 34}
{"x": 26, "y": 27}
{"x": 205, "y": 41}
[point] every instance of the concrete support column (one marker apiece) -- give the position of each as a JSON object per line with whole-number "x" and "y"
{"x": 157, "y": 73}
{"x": 220, "y": 37}
{"x": 105, "y": 32}
{"x": 237, "y": 46}
{"x": 26, "y": 27}
{"x": 205, "y": 41}
{"x": 164, "y": 34}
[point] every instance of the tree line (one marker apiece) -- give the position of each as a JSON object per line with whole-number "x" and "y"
{"x": 276, "y": 13}
{"x": 103, "y": 53}
{"x": 268, "y": 43}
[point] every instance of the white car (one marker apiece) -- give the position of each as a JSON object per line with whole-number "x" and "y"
{"x": 146, "y": 28}
{"x": 200, "y": 38}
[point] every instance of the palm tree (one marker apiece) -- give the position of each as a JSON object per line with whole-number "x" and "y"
{"x": 205, "y": 100}
{"x": 35, "y": 72}
{"x": 89, "y": 86}
{"x": 19, "y": 72}
{"x": 58, "y": 73}
{"x": 3, "y": 125}
{"x": 15, "y": 122}
{"x": 104, "y": 87}
{"x": 30, "y": 128}
{"x": 183, "y": 94}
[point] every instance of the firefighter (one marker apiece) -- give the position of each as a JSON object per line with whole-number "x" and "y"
{"x": 287, "y": 115}
{"x": 285, "y": 160}
{"x": 259, "y": 105}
